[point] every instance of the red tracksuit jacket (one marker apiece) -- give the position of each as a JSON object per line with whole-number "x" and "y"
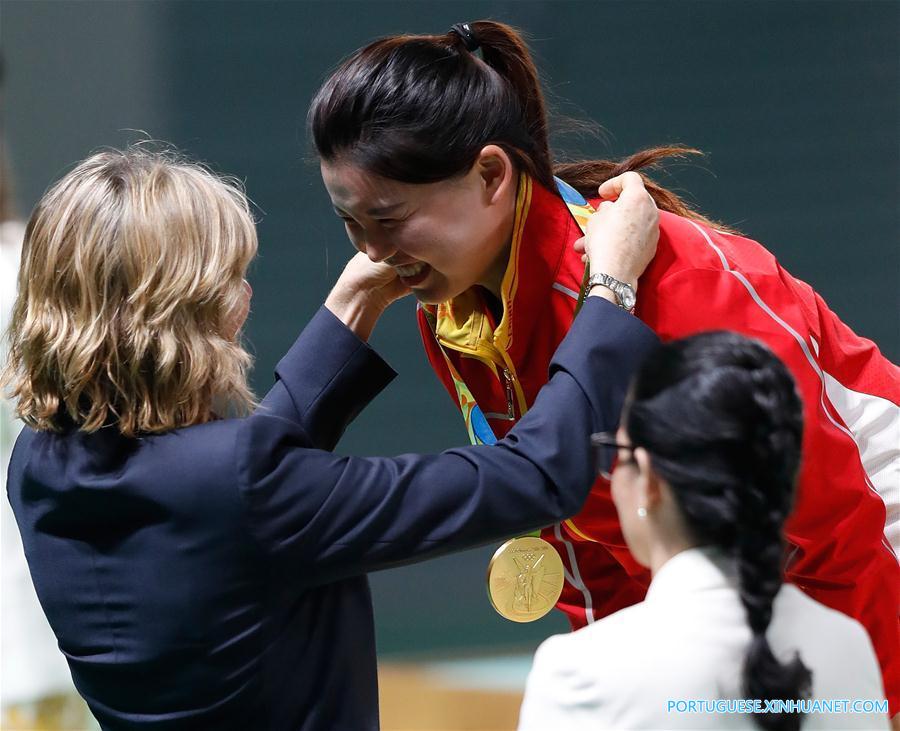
{"x": 845, "y": 530}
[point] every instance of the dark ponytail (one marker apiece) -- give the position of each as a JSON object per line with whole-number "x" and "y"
{"x": 419, "y": 109}
{"x": 721, "y": 419}
{"x": 587, "y": 175}
{"x": 504, "y": 50}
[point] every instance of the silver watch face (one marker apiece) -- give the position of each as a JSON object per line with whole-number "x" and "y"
{"x": 626, "y": 296}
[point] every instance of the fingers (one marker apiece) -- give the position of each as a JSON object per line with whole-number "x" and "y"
{"x": 580, "y": 249}
{"x": 604, "y": 210}
{"x": 621, "y": 237}
{"x": 614, "y": 187}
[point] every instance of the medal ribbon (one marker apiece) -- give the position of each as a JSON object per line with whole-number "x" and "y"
{"x": 581, "y": 211}
{"x": 477, "y": 426}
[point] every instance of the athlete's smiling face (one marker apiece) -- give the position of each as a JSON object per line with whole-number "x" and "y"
{"x": 442, "y": 238}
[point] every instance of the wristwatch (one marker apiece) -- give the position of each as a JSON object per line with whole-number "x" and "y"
{"x": 625, "y": 296}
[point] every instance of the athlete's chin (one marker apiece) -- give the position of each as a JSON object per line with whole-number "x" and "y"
{"x": 428, "y": 296}
{"x": 433, "y": 293}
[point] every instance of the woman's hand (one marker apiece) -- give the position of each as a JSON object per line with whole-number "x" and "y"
{"x": 622, "y": 235}
{"x": 363, "y": 292}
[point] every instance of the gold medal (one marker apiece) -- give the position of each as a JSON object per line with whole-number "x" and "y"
{"x": 525, "y": 579}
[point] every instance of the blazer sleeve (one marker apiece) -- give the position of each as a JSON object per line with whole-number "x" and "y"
{"x": 327, "y": 377}
{"x": 324, "y": 517}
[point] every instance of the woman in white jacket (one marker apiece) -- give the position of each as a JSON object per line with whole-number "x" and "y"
{"x": 707, "y": 456}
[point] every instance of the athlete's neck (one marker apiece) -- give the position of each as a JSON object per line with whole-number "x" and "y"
{"x": 492, "y": 280}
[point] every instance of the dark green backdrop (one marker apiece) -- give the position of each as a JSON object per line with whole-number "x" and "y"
{"x": 796, "y": 104}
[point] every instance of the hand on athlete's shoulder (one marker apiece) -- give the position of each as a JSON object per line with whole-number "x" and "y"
{"x": 621, "y": 236}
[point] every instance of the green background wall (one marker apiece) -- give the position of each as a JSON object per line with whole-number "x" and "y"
{"x": 796, "y": 104}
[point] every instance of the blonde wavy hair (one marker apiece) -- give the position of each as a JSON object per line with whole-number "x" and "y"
{"x": 132, "y": 271}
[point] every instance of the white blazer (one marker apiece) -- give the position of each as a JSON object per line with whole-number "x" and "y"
{"x": 687, "y": 641}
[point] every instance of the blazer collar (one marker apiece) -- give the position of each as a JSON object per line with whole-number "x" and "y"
{"x": 691, "y": 571}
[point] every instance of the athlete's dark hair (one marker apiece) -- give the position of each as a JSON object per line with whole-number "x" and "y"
{"x": 720, "y": 417}
{"x": 419, "y": 109}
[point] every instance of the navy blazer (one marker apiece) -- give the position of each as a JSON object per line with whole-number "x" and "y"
{"x": 213, "y": 577}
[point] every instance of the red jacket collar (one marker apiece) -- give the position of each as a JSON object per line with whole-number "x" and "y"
{"x": 543, "y": 232}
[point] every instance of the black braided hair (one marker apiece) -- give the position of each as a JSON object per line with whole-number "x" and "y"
{"x": 720, "y": 417}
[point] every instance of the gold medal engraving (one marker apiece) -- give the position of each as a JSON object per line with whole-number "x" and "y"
{"x": 525, "y": 579}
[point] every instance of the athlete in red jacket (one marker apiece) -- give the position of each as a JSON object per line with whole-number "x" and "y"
{"x": 434, "y": 150}
{"x": 701, "y": 279}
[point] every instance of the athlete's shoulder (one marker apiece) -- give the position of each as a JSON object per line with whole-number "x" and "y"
{"x": 686, "y": 243}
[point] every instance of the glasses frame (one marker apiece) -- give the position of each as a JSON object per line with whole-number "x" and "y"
{"x": 608, "y": 439}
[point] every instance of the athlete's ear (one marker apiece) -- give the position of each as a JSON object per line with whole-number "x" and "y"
{"x": 496, "y": 172}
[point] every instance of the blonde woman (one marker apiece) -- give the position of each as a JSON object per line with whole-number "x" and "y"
{"x": 209, "y": 572}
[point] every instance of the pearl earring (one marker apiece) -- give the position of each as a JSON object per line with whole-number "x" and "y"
{"x": 642, "y": 512}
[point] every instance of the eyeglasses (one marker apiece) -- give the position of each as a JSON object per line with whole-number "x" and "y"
{"x": 606, "y": 450}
